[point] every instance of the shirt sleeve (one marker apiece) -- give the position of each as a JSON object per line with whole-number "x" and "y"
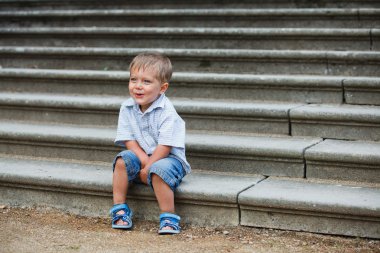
{"x": 172, "y": 131}
{"x": 124, "y": 129}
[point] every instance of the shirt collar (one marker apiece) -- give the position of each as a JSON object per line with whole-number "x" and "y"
{"x": 158, "y": 103}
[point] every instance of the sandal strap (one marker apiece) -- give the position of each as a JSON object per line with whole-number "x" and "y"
{"x": 122, "y": 217}
{"x": 170, "y": 215}
{"x": 126, "y": 216}
{"x": 118, "y": 207}
{"x": 169, "y": 220}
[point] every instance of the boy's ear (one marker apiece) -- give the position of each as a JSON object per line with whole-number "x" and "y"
{"x": 164, "y": 87}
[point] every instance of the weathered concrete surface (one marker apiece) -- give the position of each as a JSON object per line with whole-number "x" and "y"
{"x": 305, "y": 62}
{"x": 199, "y": 114}
{"x": 135, "y": 4}
{"x": 61, "y": 108}
{"x": 280, "y": 156}
{"x": 58, "y": 141}
{"x": 235, "y": 116}
{"x": 316, "y": 207}
{"x": 364, "y": 91}
{"x": 345, "y": 122}
{"x": 202, "y": 199}
{"x": 172, "y": 37}
{"x": 346, "y": 160}
{"x": 225, "y": 17}
{"x": 304, "y": 88}
{"x": 375, "y": 36}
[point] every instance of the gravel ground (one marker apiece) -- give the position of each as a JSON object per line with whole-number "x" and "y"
{"x": 41, "y": 230}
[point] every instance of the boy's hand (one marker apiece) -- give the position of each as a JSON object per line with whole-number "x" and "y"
{"x": 144, "y": 161}
{"x": 139, "y": 152}
{"x": 144, "y": 175}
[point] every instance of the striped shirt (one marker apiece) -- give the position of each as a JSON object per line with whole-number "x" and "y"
{"x": 160, "y": 124}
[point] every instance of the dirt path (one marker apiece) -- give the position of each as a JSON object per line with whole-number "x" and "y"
{"x": 31, "y": 230}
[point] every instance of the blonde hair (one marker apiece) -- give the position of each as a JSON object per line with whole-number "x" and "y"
{"x": 156, "y": 61}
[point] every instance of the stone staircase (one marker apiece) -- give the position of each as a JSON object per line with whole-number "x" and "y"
{"x": 281, "y": 99}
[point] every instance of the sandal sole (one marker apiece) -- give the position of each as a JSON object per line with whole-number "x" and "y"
{"x": 168, "y": 232}
{"x": 121, "y": 227}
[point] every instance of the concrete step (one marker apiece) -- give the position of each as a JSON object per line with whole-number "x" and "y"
{"x": 202, "y": 198}
{"x": 213, "y": 115}
{"x": 286, "y": 88}
{"x": 213, "y": 17}
{"x": 312, "y": 206}
{"x": 183, "y": 37}
{"x": 361, "y": 91}
{"x": 347, "y": 122}
{"x": 280, "y": 156}
{"x": 344, "y": 160}
{"x": 135, "y": 4}
{"x": 314, "y": 62}
{"x": 86, "y": 189}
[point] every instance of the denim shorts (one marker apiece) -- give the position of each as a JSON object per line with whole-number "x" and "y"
{"x": 169, "y": 169}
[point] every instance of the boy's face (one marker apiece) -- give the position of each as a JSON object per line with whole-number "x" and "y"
{"x": 144, "y": 87}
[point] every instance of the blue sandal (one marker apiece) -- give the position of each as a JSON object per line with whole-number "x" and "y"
{"x": 126, "y": 217}
{"x": 169, "y": 220}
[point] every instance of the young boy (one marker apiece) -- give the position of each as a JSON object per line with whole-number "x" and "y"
{"x": 154, "y": 135}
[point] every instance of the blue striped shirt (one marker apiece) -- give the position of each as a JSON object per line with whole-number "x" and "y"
{"x": 160, "y": 124}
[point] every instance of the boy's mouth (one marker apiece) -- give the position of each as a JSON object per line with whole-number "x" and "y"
{"x": 139, "y": 95}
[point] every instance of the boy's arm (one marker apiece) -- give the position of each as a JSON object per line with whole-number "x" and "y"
{"x": 159, "y": 153}
{"x": 139, "y": 152}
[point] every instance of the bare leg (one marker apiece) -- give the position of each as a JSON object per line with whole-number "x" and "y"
{"x": 120, "y": 186}
{"x": 164, "y": 195}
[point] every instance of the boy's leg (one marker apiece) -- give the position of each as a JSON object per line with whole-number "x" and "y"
{"x": 164, "y": 195}
{"x": 120, "y": 187}
{"x": 126, "y": 167}
{"x": 165, "y": 176}
{"x": 120, "y": 182}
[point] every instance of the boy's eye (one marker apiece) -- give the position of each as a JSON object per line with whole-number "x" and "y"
{"x": 147, "y": 82}
{"x": 132, "y": 79}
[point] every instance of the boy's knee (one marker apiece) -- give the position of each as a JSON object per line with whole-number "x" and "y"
{"x": 158, "y": 181}
{"x": 127, "y": 161}
{"x": 155, "y": 178}
{"x": 119, "y": 164}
